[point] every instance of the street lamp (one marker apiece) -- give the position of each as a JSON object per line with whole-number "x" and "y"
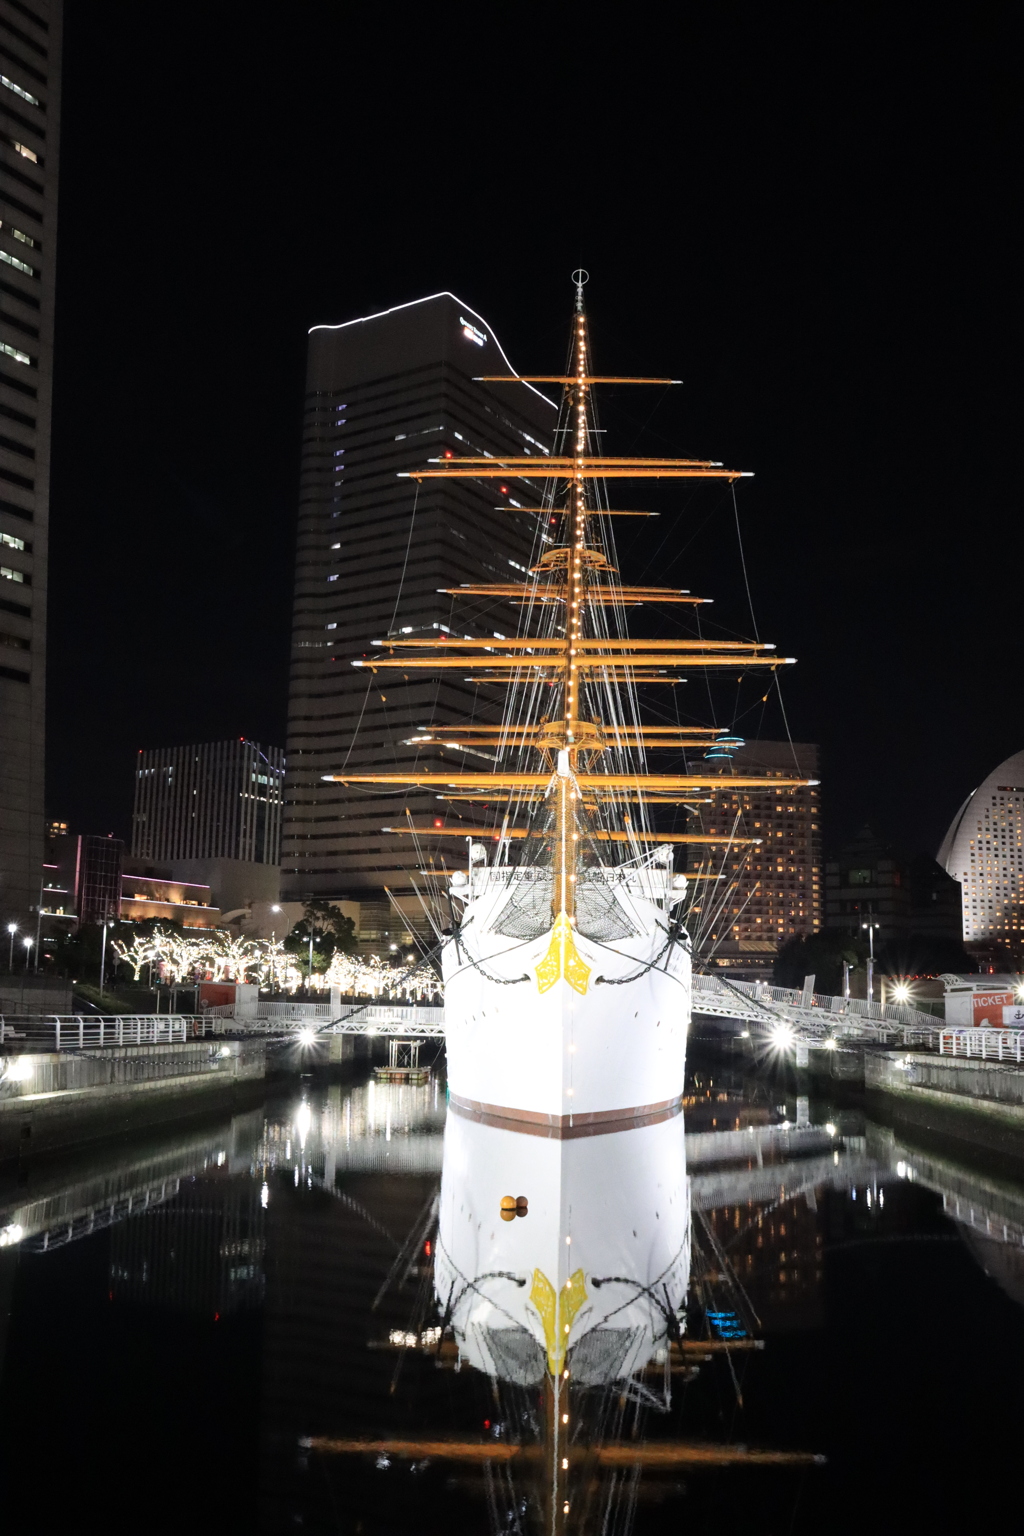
{"x": 103, "y": 959}
{"x": 12, "y": 929}
{"x": 871, "y": 958}
{"x": 28, "y": 942}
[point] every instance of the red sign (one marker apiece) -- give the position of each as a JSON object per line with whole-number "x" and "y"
{"x": 215, "y": 994}
{"x": 988, "y": 1009}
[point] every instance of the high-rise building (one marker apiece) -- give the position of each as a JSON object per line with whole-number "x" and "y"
{"x": 376, "y": 553}
{"x": 984, "y": 850}
{"x": 30, "y": 47}
{"x": 765, "y": 893}
{"x": 218, "y": 800}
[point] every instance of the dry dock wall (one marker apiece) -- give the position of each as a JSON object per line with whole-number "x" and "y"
{"x": 55, "y": 1099}
{"x": 977, "y": 1101}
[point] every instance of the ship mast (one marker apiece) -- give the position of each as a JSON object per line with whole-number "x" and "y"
{"x": 579, "y": 658}
{"x": 564, "y": 863}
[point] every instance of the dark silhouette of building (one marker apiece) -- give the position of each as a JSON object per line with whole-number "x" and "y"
{"x": 30, "y": 53}
{"x": 384, "y": 395}
{"x": 218, "y": 800}
{"x": 82, "y": 878}
{"x": 869, "y": 881}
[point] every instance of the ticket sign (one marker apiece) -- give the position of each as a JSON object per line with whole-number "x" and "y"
{"x": 997, "y": 1010}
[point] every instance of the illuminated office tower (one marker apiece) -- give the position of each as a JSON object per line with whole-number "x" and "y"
{"x": 384, "y": 394}
{"x": 30, "y": 41}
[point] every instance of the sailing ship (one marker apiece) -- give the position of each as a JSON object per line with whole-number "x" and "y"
{"x": 567, "y": 961}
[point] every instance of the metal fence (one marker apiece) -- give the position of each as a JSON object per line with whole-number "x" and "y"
{"x": 75, "y": 1031}
{"x": 985, "y": 1044}
{"x": 347, "y": 1018}
{"x": 707, "y": 988}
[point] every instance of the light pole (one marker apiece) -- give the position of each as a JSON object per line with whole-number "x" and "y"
{"x": 871, "y": 958}
{"x": 309, "y": 978}
{"x": 39, "y": 921}
{"x": 12, "y": 929}
{"x": 273, "y": 964}
{"x": 103, "y": 960}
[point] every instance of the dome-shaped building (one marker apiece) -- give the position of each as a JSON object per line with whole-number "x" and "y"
{"x": 984, "y": 850}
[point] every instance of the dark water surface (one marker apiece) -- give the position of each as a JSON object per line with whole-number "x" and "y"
{"x": 180, "y": 1314}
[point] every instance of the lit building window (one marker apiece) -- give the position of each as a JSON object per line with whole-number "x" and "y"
{"x": 12, "y": 261}
{"x": 18, "y": 234}
{"x": 6, "y": 571}
{"x": 25, "y": 96}
{"x": 11, "y": 541}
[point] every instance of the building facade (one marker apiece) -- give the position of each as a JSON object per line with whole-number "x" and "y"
{"x": 984, "y": 851}
{"x": 82, "y": 878}
{"x": 870, "y": 882}
{"x": 375, "y": 554}
{"x": 218, "y": 800}
{"x": 30, "y": 52}
{"x": 763, "y": 894}
{"x": 187, "y": 902}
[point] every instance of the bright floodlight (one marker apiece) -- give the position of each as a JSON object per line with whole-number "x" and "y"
{"x": 901, "y": 992}
{"x": 307, "y": 1036}
{"x": 28, "y": 943}
{"x": 12, "y": 927}
{"x": 831, "y": 1043}
{"x": 783, "y": 1036}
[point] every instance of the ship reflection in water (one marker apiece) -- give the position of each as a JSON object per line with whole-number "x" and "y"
{"x": 696, "y": 1308}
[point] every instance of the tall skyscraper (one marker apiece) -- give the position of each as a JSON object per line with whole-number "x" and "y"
{"x": 219, "y": 800}
{"x": 375, "y": 554}
{"x": 770, "y": 891}
{"x": 984, "y": 850}
{"x": 30, "y": 43}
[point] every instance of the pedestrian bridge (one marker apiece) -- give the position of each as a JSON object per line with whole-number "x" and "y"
{"x": 813, "y": 1018}
{"x": 804, "y": 1018}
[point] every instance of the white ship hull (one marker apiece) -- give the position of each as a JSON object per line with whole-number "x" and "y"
{"x": 604, "y": 1206}
{"x": 565, "y": 1033}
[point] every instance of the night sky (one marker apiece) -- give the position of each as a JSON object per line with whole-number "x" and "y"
{"x": 805, "y": 213}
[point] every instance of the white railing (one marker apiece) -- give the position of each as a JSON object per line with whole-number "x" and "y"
{"x": 295, "y": 1011}
{"x": 756, "y": 1000}
{"x": 988, "y": 1044}
{"x": 346, "y": 1018}
{"x": 70, "y": 1032}
{"x": 400, "y": 1013}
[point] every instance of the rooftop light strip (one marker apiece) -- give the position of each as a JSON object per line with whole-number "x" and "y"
{"x": 395, "y": 308}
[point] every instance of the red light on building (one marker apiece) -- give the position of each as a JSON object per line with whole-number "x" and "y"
{"x": 438, "y": 822}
